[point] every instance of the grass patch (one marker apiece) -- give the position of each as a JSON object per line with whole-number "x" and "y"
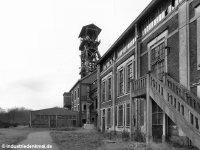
{"x": 77, "y": 140}
{"x": 15, "y": 135}
{"x": 81, "y": 139}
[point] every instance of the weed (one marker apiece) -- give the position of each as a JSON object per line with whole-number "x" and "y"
{"x": 139, "y": 136}
{"x": 125, "y": 135}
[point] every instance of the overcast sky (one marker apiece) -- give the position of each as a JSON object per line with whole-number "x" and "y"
{"x": 39, "y": 55}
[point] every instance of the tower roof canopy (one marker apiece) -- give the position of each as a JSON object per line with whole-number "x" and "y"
{"x": 91, "y": 27}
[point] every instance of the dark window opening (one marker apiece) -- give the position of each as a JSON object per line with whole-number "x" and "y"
{"x": 120, "y": 116}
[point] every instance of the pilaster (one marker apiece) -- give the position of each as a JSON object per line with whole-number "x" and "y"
{"x": 149, "y": 137}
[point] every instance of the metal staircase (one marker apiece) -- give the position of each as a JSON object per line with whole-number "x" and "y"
{"x": 181, "y": 106}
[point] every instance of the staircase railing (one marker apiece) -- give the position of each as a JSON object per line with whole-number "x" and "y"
{"x": 139, "y": 85}
{"x": 183, "y": 93}
{"x": 174, "y": 95}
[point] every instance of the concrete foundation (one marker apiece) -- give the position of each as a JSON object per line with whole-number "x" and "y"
{"x": 89, "y": 126}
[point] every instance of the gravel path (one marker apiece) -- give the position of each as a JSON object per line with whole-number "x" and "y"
{"x": 37, "y": 141}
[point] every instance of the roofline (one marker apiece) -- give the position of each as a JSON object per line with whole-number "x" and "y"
{"x": 129, "y": 27}
{"x": 88, "y": 75}
{"x": 48, "y": 108}
{"x": 74, "y": 85}
{"x": 81, "y": 80}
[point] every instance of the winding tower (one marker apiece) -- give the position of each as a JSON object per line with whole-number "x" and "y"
{"x": 89, "y": 48}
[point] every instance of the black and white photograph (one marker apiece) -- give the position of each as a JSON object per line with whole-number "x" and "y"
{"x": 100, "y": 74}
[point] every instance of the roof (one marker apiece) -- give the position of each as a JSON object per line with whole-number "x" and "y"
{"x": 66, "y": 94}
{"x": 74, "y": 85}
{"x": 82, "y": 33}
{"x": 55, "y": 111}
{"x": 140, "y": 19}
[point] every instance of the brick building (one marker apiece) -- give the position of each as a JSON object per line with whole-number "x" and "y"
{"x": 84, "y": 91}
{"x": 53, "y": 117}
{"x": 149, "y": 79}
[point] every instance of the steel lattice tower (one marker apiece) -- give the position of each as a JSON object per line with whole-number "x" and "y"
{"x": 89, "y": 48}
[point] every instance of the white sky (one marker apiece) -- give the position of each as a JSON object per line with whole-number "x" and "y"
{"x": 39, "y": 55}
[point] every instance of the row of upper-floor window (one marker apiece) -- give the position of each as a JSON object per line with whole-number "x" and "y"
{"x": 123, "y": 48}
{"x": 129, "y": 42}
{"x": 158, "y": 15}
{"x": 124, "y": 74}
{"x": 55, "y": 117}
{"x": 84, "y": 107}
{"x": 108, "y": 62}
{"x": 107, "y": 89}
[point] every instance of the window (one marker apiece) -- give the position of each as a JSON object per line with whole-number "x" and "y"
{"x": 108, "y": 62}
{"x": 121, "y": 82}
{"x": 74, "y": 95}
{"x": 120, "y": 115}
{"x": 157, "y": 115}
{"x": 157, "y": 60}
{"x": 174, "y": 102}
{"x": 158, "y": 53}
{"x": 104, "y": 91}
{"x": 182, "y": 109}
{"x": 84, "y": 107}
{"x": 191, "y": 118}
{"x": 179, "y": 107}
{"x": 115, "y": 115}
{"x": 158, "y": 15}
{"x": 78, "y": 107}
{"x": 128, "y": 43}
{"x": 109, "y": 117}
{"x": 109, "y": 88}
{"x": 197, "y": 123}
{"x": 130, "y": 74}
{"x": 128, "y": 115}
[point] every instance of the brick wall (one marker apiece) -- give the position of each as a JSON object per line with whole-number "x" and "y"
{"x": 144, "y": 65}
{"x": 123, "y": 98}
{"x": 173, "y": 57}
{"x": 171, "y": 25}
{"x": 191, "y": 11}
{"x": 194, "y": 73}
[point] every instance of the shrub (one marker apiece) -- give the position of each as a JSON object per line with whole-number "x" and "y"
{"x": 139, "y": 136}
{"x": 125, "y": 135}
{"x": 4, "y": 124}
{"x": 14, "y": 124}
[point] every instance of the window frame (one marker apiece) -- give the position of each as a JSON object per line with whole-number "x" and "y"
{"x": 109, "y": 88}
{"x": 128, "y": 111}
{"x": 120, "y": 115}
{"x": 103, "y": 91}
{"x": 129, "y": 75}
{"x": 108, "y": 117}
{"x": 121, "y": 81}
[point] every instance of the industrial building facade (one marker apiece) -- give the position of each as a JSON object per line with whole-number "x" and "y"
{"x": 149, "y": 80}
{"x": 53, "y": 118}
{"x": 82, "y": 90}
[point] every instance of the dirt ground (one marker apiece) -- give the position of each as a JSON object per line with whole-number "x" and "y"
{"x": 81, "y": 139}
{"x": 15, "y": 135}
{"x": 78, "y": 139}
{"x": 39, "y": 140}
